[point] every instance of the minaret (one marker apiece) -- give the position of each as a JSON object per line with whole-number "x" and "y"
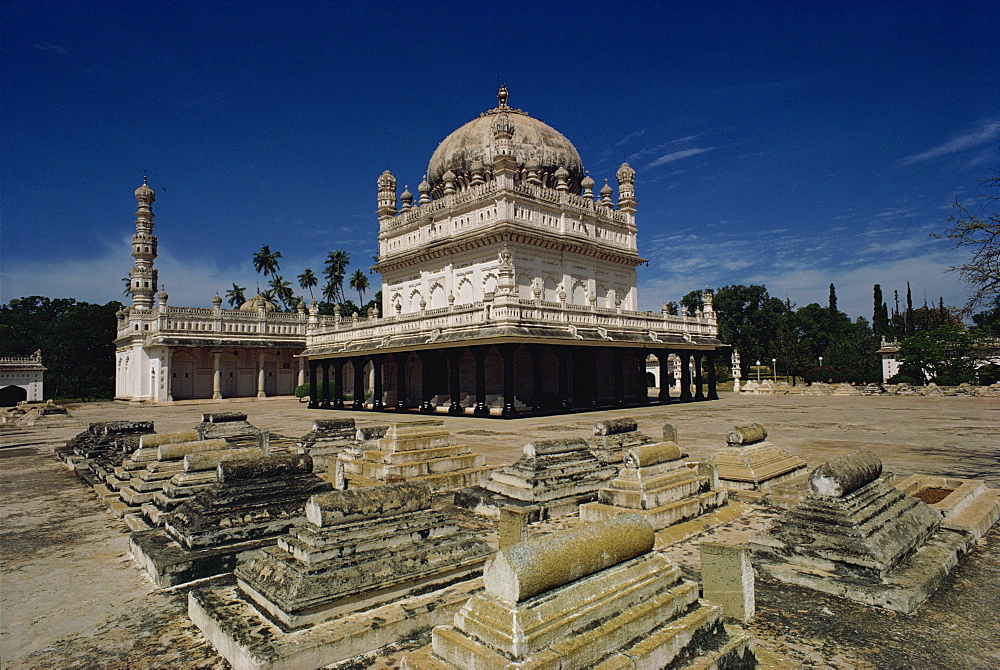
{"x": 142, "y": 278}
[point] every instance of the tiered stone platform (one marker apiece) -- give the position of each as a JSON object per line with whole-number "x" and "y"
{"x": 414, "y": 451}
{"x": 553, "y": 478}
{"x": 613, "y": 437}
{"x": 749, "y": 465}
{"x": 965, "y": 505}
{"x": 657, "y": 484}
{"x": 594, "y": 596}
{"x": 198, "y": 472}
{"x": 857, "y": 537}
{"x": 252, "y": 502}
{"x": 371, "y": 566}
{"x": 94, "y": 453}
{"x": 327, "y": 439}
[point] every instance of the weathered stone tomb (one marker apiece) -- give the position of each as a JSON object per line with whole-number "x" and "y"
{"x": 657, "y": 484}
{"x": 613, "y": 437}
{"x": 252, "y": 502}
{"x": 857, "y": 537}
{"x": 553, "y": 477}
{"x": 413, "y": 451}
{"x": 327, "y": 439}
{"x": 594, "y": 596}
{"x": 372, "y": 565}
{"x": 94, "y": 453}
{"x": 750, "y": 464}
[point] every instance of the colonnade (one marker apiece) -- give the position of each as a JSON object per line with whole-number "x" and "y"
{"x": 553, "y": 378}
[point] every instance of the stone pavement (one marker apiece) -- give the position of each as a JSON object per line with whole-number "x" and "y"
{"x": 71, "y": 595}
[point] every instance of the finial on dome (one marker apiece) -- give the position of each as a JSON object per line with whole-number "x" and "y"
{"x": 425, "y": 191}
{"x": 217, "y": 301}
{"x": 588, "y": 186}
{"x": 502, "y": 95}
{"x": 406, "y": 197}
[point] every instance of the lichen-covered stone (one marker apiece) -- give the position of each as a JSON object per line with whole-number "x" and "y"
{"x": 157, "y": 439}
{"x": 845, "y": 474}
{"x": 178, "y": 450}
{"x": 554, "y": 446}
{"x": 340, "y": 507}
{"x": 615, "y": 426}
{"x": 746, "y": 435}
{"x": 264, "y": 467}
{"x": 542, "y": 563}
{"x": 223, "y": 417}
{"x": 651, "y": 454}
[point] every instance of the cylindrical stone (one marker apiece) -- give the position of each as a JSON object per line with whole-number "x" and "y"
{"x": 615, "y": 426}
{"x": 845, "y": 474}
{"x": 209, "y": 460}
{"x": 749, "y": 434}
{"x": 157, "y": 439}
{"x": 223, "y": 417}
{"x": 340, "y": 507}
{"x": 651, "y": 454}
{"x": 264, "y": 467}
{"x": 543, "y": 563}
{"x": 181, "y": 449}
{"x": 549, "y": 447}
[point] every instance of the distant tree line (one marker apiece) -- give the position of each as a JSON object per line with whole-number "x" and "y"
{"x": 76, "y": 340}
{"x": 282, "y": 296}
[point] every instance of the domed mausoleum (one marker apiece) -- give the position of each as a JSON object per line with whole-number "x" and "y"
{"x": 508, "y": 286}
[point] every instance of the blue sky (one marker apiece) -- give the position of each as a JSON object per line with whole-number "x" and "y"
{"x": 792, "y": 144}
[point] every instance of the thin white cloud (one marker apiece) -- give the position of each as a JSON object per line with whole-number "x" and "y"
{"x": 59, "y": 49}
{"x": 987, "y": 131}
{"x": 677, "y": 155}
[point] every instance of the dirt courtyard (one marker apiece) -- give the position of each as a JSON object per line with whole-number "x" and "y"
{"x": 72, "y": 596}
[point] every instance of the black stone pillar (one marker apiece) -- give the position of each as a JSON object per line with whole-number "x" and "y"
{"x": 685, "y": 357}
{"x": 594, "y": 397}
{"x": 401, "y": 356}
{"x": 642, "y": 391}
{"x": 663, "y": 357}
{"x": 699, "y": 394}
{"x": 325, "y": 392}
{"x": 618, "y": 375}
{"x": 377, "y": 404}
{"x": 480, "y": 353}
{"x": 507, "y": 352}
{"x": 563, "y": 353}
{"x": 454, "y": 381}
{"x": 338, "y": 383}
{"x": 426, "y": 380}
{"x": 535, "y": 351}
{"x": 313, "y": 387}
{"x": 713, "y": 390}
{"x": 359, "y": 383}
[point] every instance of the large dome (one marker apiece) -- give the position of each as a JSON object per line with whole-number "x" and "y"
{"x": 536, "y": 146}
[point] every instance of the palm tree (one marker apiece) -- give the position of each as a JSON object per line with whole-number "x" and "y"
{"x": 268, "y": 297}
{"x": 307, "y": 280}
{"x": 336, "y": 268}
{"x": 266, "y": 261}
{"x": 359, "y": 282}
{"x": 330, "y": 292}
{"x": 282, "y": 289}
{"x": 236, "y": 296}
{"x": 128, "y": 285}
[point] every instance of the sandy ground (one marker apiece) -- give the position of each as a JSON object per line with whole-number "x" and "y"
{"x": 72, "y": 596}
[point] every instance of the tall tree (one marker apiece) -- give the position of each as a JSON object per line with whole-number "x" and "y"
{"x": 307, "y": 280}
{"x": 266, "y": 261}
{"x": 880, "y": 314}
{"x": 692, "y": 302}
{"x": 833, "y": 298}
{"x": 335, "y": 271}
{"x": 329, "y": 292}
{"x": 282, "y": 291}
{"x": 236, "y": 296}
{"x": 911, "y": 327}
{"x": 748, "y": 319}
{"x": 978, "y": 234}
{"x": 359, "y": 282}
